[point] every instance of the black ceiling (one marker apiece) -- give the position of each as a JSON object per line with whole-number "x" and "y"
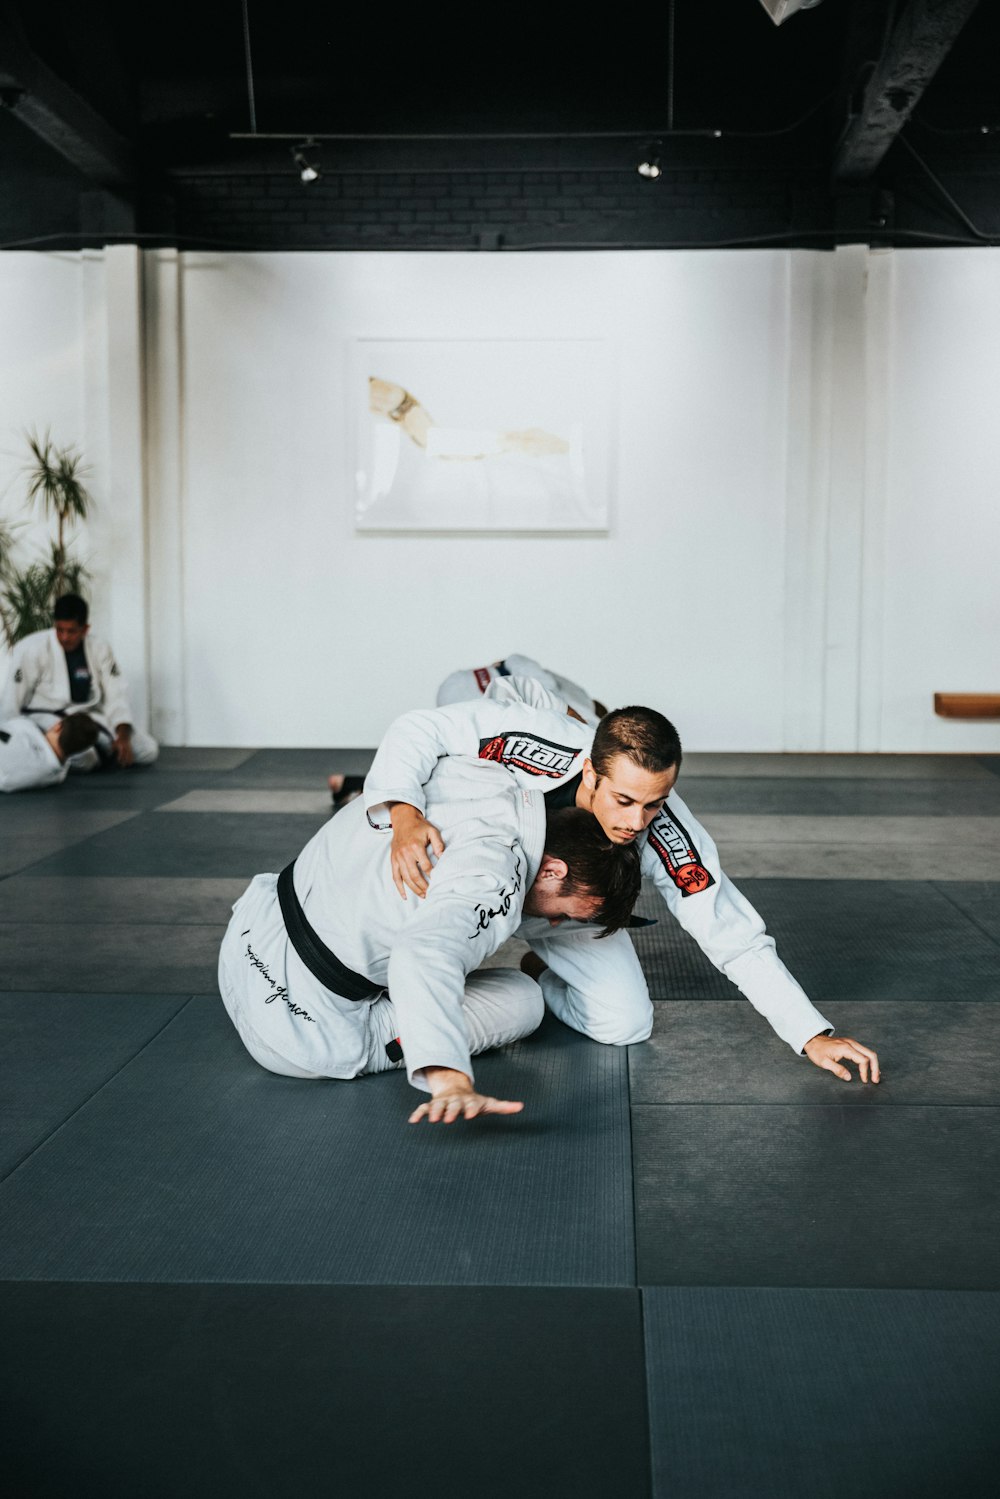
{"x": 499, "y": 127}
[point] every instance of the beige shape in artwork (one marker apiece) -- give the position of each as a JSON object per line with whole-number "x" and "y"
{"x": 398, "y": 405}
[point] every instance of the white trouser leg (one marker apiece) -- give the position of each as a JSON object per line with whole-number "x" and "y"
{"x": 501, "y": 1005}
{"x": 144, "y": 747}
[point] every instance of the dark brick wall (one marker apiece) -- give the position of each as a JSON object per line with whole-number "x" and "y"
{"x": 510, "y": 210}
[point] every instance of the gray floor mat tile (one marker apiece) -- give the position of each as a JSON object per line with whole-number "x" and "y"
{"x": 109, "y": 900}
{"x": 882, "y": 939}
{"x": 58, "y": 1049}
{"x": 839, "y": 861}
{"x": 835, "y": 1394}
{"x": 724, "y": 1052}
{"x": 232, "y": 799}
{"x": 990, "y": 763}
{"x": 793, "y": 796}
{"x": 116, "y": 959}
{"x": 195, "y": 1164}
{"x": 318, "y": 763}
{"x": 203, "y": 845}
{"x": 23, "y": 850}
{"x": 323, "y": 1392}
{"x": 824, "y": 1196}
{"x": 732, "y": 765}
{"x": 57, "y": 814}
{"x": 979, "y": 899}
{"x": 203, "y": 757}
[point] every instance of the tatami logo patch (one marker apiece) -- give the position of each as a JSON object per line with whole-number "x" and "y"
{"x": 483, "y": 676}
{"x": 673, "y": 847}
{"x": 539, "y": 757}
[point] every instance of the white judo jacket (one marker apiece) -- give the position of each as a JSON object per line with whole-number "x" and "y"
{"x": 39, "y": 680}
{"x": 463, "y": 685}
{"x": 419, "y": 950}
{"x": 27, "y": 759}
{"x": 521, "y": 727}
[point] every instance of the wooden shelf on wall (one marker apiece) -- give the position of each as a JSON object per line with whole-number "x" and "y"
{"x": 967, "y": 704}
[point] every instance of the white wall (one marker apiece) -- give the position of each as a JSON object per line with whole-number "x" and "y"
{"x": 71, "y": 365}
{"x": 802, "y": 545}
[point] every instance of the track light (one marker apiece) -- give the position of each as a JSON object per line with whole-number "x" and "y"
{"x": 650, "y": 166}
{"x": 307, "y": 172}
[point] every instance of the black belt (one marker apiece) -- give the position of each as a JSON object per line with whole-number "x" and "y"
{"x": 320, "y": 961}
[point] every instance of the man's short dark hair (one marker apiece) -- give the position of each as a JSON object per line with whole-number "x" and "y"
{"x": 595, "y": 865}
{"x": 648, "y": 739}
{"x": 71, "y": 606}
{"x": 77, "y": 733}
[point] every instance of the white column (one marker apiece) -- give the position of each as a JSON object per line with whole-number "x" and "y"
{"x": 163, "y": 284}
{"x": 114, "y": 448}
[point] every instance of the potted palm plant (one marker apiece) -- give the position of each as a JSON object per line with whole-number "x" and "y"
{"x": 55, "y": 479}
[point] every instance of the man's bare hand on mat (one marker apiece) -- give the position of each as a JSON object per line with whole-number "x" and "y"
{"x": 414, "y": 840}
{"x": 828, "y": 1052}
{"x": 453, "y": 1097}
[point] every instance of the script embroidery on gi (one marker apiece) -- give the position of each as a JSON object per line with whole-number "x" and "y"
{"x": 485, "y": 914}
{"x": 280, "y": 992}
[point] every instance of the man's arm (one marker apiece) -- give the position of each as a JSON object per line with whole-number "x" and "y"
{"x": 682, "y": 860}
{"x": 114, "y": 697}
{"x": 23, "y": 675}
{"x": 552, "y": 750}
{"x": 473, "y": 906}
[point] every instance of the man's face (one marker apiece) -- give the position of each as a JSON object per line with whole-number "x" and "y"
{"x": 626, "y": 799}
{"x": 548, "y": 896}
{"x": 69, "y": 634}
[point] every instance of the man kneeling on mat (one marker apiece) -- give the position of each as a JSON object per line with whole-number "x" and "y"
{"x": 325, "y": 972}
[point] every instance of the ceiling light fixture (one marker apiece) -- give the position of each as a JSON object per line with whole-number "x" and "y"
{"x": 307, "y": 172}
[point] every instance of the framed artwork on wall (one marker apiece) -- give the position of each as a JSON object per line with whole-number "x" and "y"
{"x": 494, "y": 435}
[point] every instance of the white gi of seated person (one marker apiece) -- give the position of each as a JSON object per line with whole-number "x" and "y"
{"x": 36, "y": 752}
{"x": 625, "y": 775}
{"x": 67, "y": 670}
{"x": 462, "y": 686}
{"x": 306, "y": 1018}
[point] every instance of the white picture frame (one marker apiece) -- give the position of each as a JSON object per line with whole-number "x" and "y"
{"x": 480, "y": 435}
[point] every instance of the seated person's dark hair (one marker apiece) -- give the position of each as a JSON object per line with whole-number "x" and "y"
{"x": 78, "y": 732}
{"x": 71, "y": 606}
{"x": 648, "y": 739}
{"x": 595, "y": 865}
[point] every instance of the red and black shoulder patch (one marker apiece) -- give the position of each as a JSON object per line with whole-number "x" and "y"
{"x": 483, "y": 677}
{"x": 529, "y": 752}
{"x": 672, "y": 845}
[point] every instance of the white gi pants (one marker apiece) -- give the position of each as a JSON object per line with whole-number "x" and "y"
{"x": 263, "y": 984}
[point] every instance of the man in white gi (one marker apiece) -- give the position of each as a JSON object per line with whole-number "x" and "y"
{"x": 36, "y": 751}
{"x": 625, "y": 775}
{"x": 463, "y": 685}
{"x": 67, "y": 670}
{"x": 311, "y": 956}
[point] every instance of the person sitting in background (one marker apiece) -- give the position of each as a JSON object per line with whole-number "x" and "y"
{"x": 35, "y": 752}
{"x": 65, "y": 671}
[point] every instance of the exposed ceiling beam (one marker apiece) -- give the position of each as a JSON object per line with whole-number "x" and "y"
{"x": 920, "y": 40}
{"x": 37, "y": 97}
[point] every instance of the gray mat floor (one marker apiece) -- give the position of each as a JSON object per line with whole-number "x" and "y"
{"x": 693, "y": 1265}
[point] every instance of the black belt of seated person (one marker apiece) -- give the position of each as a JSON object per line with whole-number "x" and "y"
{"x": 320, "y": 961}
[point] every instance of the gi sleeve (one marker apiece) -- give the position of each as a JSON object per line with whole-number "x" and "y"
{"x": 115, "y": 703}
{"x": 540, "y": 745}
{"x": 683, "y": 861}
{"x": 23, "y": 676}
{"x": 473, "y": 905}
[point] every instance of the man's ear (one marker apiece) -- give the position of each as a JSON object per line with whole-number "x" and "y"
{"x": 552, "y": 869}
{"x": 589, "y": 775}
